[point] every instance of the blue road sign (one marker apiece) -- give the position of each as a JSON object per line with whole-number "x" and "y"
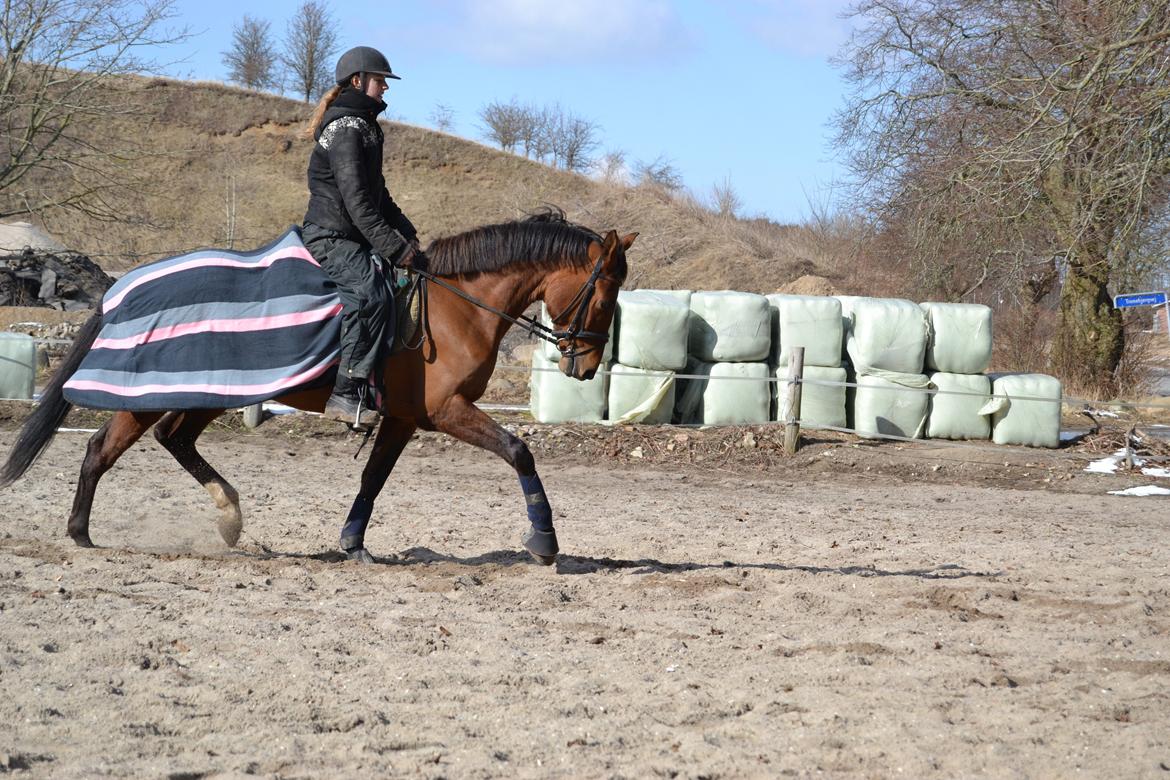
{"x": 1140, "y": 299}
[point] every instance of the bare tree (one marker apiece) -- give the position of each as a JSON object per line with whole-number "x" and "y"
{"x": 573, "y": 139}
{"x": 252, "y": 59}
{"x": 56, "y": 68}
{"x": 1044, "y": 125}
{"x": 724, "y": 199}
{"x": 611, "y": 167}
{"x": 443, "y": 117}
{"x": 310, "y": 42}
{"x": 503, "y": 123}
{"x": 660, "y": 173}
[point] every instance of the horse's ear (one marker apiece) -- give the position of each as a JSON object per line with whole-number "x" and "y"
{"x": 611, "y": 240}
{"x": 595, "y": 250}
{"x": 628, "y": 241}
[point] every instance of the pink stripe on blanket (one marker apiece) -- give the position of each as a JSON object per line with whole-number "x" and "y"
{"x": 227, "y": 390}
{"x": 288, "y": 253}
{"x": 242, "y": 325}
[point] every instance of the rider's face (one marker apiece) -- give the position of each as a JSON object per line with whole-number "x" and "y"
{"x": 375, "y": 85}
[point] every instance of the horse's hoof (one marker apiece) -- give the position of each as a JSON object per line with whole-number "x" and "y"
{"x": 541, "y": 545}
{"x": 359, "y": 554}
{"x": 82, "y": 540}
{"x": 229, "y": 529}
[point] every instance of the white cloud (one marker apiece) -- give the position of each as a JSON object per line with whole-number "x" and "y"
{"x": 568, "y": 31}
{"x": 806, "y": 28}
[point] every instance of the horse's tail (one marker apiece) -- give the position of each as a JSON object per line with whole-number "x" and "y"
{"x": 41, "y": 425}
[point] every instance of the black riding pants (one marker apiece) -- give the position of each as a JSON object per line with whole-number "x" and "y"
{"x": 366, "y": 300}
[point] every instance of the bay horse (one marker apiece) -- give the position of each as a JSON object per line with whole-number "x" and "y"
{"x": 505, "y": 267}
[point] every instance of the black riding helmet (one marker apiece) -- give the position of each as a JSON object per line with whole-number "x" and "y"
{"x": 362, "y": 59}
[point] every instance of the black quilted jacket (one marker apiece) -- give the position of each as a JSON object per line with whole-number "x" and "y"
{"x": 347, "y": 191}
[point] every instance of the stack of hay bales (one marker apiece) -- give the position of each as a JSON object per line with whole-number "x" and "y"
{"x": 1026, "y": 410}
{"x": 957, "y": 354}
{"x": 556, "y": 397}
{"x": 651, "y": 349}
{"x": 813, "y": 322}
{"x": 730, "y": 341}
{"x": 886, "y": 340}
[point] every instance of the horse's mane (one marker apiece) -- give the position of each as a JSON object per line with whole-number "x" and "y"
{"x": 545, "y": 236}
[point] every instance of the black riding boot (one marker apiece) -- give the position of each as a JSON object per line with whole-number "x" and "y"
{"x": 348, "y": 403}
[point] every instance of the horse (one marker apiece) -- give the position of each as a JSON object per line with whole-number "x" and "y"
{"x": 479, "y": 283}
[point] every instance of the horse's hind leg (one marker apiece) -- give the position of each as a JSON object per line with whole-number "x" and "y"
{"x": 177, "y": 432}
{"x": 105, "y": 447}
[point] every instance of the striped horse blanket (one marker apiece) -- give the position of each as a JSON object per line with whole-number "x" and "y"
{"x": 213, "y": 330}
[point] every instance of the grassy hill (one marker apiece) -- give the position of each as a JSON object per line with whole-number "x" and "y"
{"x": 219, "y": 166}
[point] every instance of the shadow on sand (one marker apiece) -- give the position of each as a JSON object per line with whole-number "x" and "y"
{"x": 580, "y": 564}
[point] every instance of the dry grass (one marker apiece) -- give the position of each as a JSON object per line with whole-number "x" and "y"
{"x": 200, "y": 141}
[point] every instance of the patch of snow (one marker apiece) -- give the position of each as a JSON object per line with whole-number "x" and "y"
{"x": 1142, "y": 490}
{"x": 1070, "y": 436}
{"x": 1103, "y": 413}
{"x": 1153, "y": 472}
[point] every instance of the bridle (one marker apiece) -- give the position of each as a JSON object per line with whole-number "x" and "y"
{"x": 577, "y": 308}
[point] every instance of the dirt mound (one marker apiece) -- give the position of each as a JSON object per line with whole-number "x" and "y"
{"x": 66, "y": 282}
{"x": 808, "y": 284}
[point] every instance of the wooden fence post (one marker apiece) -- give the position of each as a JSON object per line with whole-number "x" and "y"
{"x": 253, "y": 415}
{"x": 791, "y": 411}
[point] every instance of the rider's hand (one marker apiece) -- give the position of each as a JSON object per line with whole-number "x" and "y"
{"x": 412, "y": 257}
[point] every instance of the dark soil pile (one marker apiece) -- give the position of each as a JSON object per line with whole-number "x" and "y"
{"x": 66, "y": 282}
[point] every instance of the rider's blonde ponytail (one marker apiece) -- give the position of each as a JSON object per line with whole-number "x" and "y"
{"x": 319, "y": 112}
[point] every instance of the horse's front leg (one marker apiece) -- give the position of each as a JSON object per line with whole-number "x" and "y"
{"x": 393, "y": 434}
{"x": 463, "y": 420}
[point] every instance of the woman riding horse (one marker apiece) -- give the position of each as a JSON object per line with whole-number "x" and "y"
{"x": 483, "y": 281}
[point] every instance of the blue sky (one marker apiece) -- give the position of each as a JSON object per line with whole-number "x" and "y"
{"x": 740, "y": 90}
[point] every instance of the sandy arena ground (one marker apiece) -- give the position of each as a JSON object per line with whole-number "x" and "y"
{"x": 701, "y": 622}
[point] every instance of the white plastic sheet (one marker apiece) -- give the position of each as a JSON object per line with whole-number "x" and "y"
{"x": 890, "y": 409}
{"x": 959, "y": 416}
{"x": 725, "y": 396}
{"x": 960, "y": 337}
{"x": 637, "y": 395}
{"x": 729, "y": 326}
{"x": 809, "y": 321}
{"x": 558, "y": 398}
{"x": 1023, "y": 420}
{"x": 18, "y": 366}
{"x": 885, "y": 334}
{"x": 652, "y": 330}
{"x": 550, "y": 350}
{"x": 819, "y": 404}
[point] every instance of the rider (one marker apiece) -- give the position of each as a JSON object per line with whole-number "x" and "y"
{"x": 351, "y": 217}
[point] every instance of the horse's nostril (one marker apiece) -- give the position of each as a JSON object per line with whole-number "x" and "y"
{"x": 589, "y": 374}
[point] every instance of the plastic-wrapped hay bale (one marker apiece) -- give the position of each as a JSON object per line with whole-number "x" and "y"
{"x": 809, "y": 321}
{"x": 887, "y": 334}
{"x": 890, "y": 409}
{"x": 819, "y": 404}
{"x": 652, "y": 330}
{"x": 682, "y": 296}
{"x": 730, "y": 327}
{"x": 18, "y": 365}
{"x": 550, "y": 350}
{"x": 960, "y": 337}
{"x": 559, "y": 398}
{"x": 1032, "y": 423}
{"x": 640, "y": 396}
{"x": 959, "y": 416}
{"x": 728, "y": 394}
